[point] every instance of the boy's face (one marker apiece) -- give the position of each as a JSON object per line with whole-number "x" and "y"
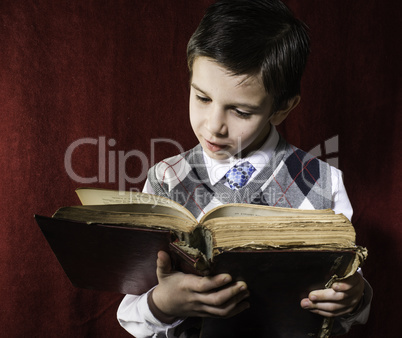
{"x": 229, "y": 114}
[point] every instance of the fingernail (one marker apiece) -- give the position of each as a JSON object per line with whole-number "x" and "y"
{"x": 305, "y": 304}
{"x": 243, "y": 286}
{"x": 313, "y": 297}
{"x": 226, "y": 279}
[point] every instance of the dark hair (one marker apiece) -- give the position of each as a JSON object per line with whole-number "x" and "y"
{"x": 254, "y": 37}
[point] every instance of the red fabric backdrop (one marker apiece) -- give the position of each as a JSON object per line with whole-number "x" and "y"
{"x": 115, "y": 72}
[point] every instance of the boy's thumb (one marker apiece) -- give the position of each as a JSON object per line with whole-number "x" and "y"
{"x": 163, "y": 264}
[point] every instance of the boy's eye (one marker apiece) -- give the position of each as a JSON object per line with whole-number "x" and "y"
{"x": 203, "y": 99}
{"x": 242, "y": 114}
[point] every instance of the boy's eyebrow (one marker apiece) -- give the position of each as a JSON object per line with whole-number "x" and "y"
{"x": 198, "y": 88}
{"x": 238, "y": 104}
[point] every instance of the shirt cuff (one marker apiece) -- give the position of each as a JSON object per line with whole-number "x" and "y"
{"x": 151, "y": 319}
{"x": 136, "y": 318}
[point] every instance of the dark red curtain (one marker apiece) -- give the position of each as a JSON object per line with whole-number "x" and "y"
{"x": 89, "y": 90}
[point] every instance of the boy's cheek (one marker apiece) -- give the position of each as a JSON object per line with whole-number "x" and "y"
{"x": 195, "y": 123}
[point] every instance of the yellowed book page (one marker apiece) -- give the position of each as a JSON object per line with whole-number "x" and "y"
{"x": 247, "y": 210}
{"x": 96, "y": 196}
{"x": 99, "y": 214}
{"x": 333, "y": 230}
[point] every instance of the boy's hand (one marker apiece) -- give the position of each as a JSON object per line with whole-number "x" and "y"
{"x": 186, "y": 295}
{"x": 340, "y": 299}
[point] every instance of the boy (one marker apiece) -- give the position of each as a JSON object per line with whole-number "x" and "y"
{"x": 246, "y": 60}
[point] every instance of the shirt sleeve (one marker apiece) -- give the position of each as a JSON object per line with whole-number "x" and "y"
{"x": 134, "y": 314}
{"x": 341, "y": 204}
{"x": 340, "y": 199}
{"x": 137, "y": 319}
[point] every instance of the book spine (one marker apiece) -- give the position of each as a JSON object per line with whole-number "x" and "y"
{"x": 187, "y": 263}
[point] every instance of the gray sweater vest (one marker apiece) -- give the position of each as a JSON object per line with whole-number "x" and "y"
{"x": 291, "y": 179}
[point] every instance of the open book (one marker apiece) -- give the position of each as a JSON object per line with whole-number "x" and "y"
{"x": 111, "y": 243}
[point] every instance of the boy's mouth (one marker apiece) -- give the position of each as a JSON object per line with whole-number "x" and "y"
{"x": 214, "y": 147}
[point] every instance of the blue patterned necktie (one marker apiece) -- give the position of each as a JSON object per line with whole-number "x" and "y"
{"x": 238, "y": 176}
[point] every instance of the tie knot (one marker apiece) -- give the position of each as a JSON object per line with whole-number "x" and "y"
{"x": 238, "y": 176}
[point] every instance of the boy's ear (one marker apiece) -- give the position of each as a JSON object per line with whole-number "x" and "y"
{"x": 280, "y": 115}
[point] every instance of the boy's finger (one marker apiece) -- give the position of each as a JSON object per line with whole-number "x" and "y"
{"x": 232, "y": 294}
{"x": 327, "y": 309}
{"x": 163, "y": 264}
{"x": 355, "y": 281}
{"x": 234, "y": 306}
{"x": 223, "y": 303}
{"x": 207, "y": 284}
{"x": 330, "y": 295}
{"x": 323, "y": 295}
{"x": 328, "y": 314}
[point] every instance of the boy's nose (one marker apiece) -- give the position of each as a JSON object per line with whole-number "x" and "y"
{"x": 216, "y": 122}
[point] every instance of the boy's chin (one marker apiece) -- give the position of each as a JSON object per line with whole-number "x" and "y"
{"x": 218, "y": 155}
{"x": 225, "y": 154}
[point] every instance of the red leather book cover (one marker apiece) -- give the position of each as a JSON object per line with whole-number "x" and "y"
{"x": 109, "y": 258}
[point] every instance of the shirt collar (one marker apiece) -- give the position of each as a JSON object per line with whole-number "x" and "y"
{"x": 218, "y": 168}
